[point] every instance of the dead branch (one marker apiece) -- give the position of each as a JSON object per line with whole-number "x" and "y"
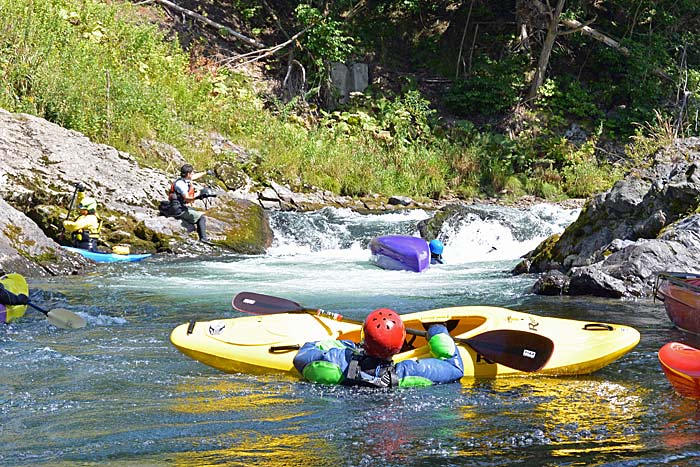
{"x": 214, "y": 24}
{"x": 256, "y": 55}
{"x": 357, "y": 9}
{"x": 299, "y": 87}
{"x": 464, "y": 34}
{"x": 577, "y": 26}
{"x": 609, "y": 41}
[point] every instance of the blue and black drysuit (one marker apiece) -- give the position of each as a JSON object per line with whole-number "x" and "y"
{"x": 344, "y": 362}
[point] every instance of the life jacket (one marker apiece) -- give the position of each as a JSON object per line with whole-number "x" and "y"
{"x": 87, "y": 238}
{"x": 177, "y": 204}
{"x": 368, "y": 371}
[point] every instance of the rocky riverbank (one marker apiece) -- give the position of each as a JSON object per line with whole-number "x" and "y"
{"x": 41, "y": 164}
{"x": 645, "y": 224}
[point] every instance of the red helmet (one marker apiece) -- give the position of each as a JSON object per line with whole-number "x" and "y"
{"x": 384, "y": 333}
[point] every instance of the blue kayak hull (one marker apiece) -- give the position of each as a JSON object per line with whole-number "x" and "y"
{"x": 99, "y": 257}
{"x": 400, "y": 253}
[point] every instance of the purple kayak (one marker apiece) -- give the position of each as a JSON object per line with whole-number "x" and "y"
{"x": 400, "y": 252}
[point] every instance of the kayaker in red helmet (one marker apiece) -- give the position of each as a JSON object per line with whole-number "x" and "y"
{"x": 369, "y": 363}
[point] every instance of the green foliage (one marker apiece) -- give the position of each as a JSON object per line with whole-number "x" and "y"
{"x": 248, "y": 9}
{"x": 629, "y": 88}
{"x": 493, "y": 87}
{"x": 648, "y": 139}
{"x": 98, "y": 68}
{"x": 397, "y": 123}
{"x": 583, "y": 174}
{"x": 95, "y": 68}
{"x": 566, "y": 97}
{"x": 324, "y": 41}
{"x": 543, "y": 187}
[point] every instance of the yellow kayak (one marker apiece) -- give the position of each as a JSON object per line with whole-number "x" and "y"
{"x": 16, "y": 284}
{"x": 265, "y": 343}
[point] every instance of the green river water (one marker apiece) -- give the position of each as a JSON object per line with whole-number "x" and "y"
{"x": 117, "y": 393}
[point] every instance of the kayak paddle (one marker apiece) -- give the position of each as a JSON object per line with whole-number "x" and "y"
{"x": 520, "y": 350}
{"x": 61, "y": 318}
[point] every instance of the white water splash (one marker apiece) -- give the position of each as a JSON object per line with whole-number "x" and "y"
{"x": 497, "y": 233}
{"x": 328, "y": 251}
{"x": 489, "y": 233}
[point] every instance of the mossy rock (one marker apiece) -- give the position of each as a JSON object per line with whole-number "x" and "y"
{"x": 246, "y": 227}
{"x": 541, "y": 259}
{"x": 430, "y": 228}
{"x": 231, "y": 175}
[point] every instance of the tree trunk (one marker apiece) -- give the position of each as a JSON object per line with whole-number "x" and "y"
{"x": 552, "y": 32}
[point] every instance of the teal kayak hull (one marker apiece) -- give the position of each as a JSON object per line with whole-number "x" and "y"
{"x": 100, "y": 257}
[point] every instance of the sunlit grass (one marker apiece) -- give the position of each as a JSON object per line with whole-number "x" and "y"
{"x": 102, "y": 69}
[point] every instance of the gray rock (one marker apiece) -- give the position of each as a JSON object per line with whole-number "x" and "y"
{"x": 400, "y": 200}
{"x": 26, "y": 250}
{"x": 643, "y": 225}
{"x": 551, "y": 283}
{"x": 591, "y": 281}
{"x": 40, "y": 165}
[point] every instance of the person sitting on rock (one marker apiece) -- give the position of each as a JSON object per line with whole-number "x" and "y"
{"x": 85, "y": 229}
{"x": 182, "y": 194}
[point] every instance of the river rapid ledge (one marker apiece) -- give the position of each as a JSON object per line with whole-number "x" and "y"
{"x": 645, "y": 224}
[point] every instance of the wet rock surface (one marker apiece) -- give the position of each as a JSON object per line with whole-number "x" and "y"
{"x": 643, "y": 225}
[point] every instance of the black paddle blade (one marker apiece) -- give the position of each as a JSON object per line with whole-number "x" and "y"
{"x": 259, "y": 304}
{"x": 520, "y": 350}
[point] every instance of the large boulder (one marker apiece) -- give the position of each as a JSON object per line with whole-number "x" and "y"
{"x": 643, "y": 225}
{"x": 240, "y": 225}
{"x": 26, "y": 250}
{"x": 40, "y": 165}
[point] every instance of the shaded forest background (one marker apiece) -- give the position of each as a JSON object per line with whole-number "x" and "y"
{"x": 466, "y": 98}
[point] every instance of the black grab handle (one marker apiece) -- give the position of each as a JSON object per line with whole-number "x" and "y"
{"x": 597, "y": 327}
{"x": 284, "y": 348}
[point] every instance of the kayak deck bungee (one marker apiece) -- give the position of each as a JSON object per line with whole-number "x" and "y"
{"x": 16, "y": 284}
{"x": 265, "y": 343}
{"x": 100, "y": 257}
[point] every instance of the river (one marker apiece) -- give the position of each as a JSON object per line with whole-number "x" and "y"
{"x": 117, "y": 393}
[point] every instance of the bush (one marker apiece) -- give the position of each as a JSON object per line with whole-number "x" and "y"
{"x": 493, "y": 87}
{"x": 566, "y": 97}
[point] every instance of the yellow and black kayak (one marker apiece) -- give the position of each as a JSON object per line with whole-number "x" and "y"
{"x": 268, "y": 341}
{"x": 16, "y": 284}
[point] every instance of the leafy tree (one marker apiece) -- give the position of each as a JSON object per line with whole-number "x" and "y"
{"x": 324, "y": 40}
